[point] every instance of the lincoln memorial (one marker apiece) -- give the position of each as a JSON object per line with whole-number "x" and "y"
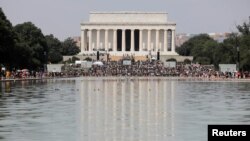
{"x": 131, "y": 33}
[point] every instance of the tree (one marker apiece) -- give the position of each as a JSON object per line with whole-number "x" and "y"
{"x": 244, "y": 29}
{"x": 34, "y": 40}
{"x": 69, "y": 47}
{"x": 7, "y": 40}
{"x": 227, "y": 51}
{"x": 72, "y": 60}
{"x": 22, "y": 55}
{"x": 201, "y": 47}
{"x": 54, "y": 49}
{"x": 187, "y": 61}
{"x": 171, "y": 59}
{"x": 244, "y": 52}
{"x": 88, "y": 59}
{"x": 244, "y": 44}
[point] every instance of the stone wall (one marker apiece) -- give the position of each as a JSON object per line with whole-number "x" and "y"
{"x": 81, "y": 57}
{"x": 178, "y": 58}
{"x": 163, "y": 58}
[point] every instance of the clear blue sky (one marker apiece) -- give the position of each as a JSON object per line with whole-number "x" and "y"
{"x": 62, "y": 17}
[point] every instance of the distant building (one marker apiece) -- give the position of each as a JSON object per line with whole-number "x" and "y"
{"x": 77, "y": 39}
{"x": 219, "y": 37}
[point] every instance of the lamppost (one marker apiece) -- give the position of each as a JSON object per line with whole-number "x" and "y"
{"x": 107, "y": 54}
{"x": 109, "y": 48}
{"x": 45, "y": 61}
{"x": 238, "y": 53}
{"x": 238, "y": 58}
{"x": 97, "y": 55}
{"x": 150, "y": 55}
{"x": 158, "y": 54}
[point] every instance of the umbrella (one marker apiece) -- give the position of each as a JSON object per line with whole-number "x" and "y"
{"x": 99, "y": 63}
{"x": 24, "y": 70}
{"x": 153, "y": 58}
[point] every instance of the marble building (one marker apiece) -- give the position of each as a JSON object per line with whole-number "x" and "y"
{"x": 132, "y": 33}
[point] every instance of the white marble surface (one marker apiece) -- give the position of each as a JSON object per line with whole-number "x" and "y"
{"x": 152, "y": 26}
{"x": 128, "y": 17}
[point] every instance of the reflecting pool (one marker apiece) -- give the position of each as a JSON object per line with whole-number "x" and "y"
{"x": 127, "y": 109}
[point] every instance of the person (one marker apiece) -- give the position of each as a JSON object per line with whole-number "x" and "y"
{"x": 238, "y": 74}
{"x": 2, "y": 73}
{"x": 7, "y": 74}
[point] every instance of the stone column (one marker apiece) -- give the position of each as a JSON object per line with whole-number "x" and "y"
{"x": 149, "y": 39}
{"x": 123, "y": 40}
{"x": 173, "y": 41}
{"x": 83, "y": 41}
{"x": 165, "y": 44}
{"x": 132, "y": 40}
{"x": 90, "y": 40}
{"x": 106, "y": 39}
{"x": 157, "y": 40}
{"x": 140, "y": 42}
{"x": 98, "y": 39}
{"x": 114, "y": 40}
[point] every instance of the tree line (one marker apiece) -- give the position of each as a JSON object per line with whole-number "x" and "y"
{"x": 206, "y": 50}
{"x": 25, "y": 46}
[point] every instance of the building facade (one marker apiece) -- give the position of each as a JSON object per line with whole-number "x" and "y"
{"x": 128, "y": 33}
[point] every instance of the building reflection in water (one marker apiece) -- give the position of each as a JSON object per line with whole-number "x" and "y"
{"x": 126, "y": 109}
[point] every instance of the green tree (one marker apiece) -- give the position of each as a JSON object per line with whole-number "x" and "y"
{"x": 201, "y": 47}
{"x": 244, "y": 44}
{"x": 187, "y": 61}
{"x": 22, "y": 55}
{"x": 7, "y": 41}
{"x": 245, "y": 52}
{"x": 33, "y": 38}
{"x": 69, "y": 47}
{"x": 71, "y": 60}
{"x": 244, "y": 29}
{"x": 227, "y": 51}
{"x": 54, "y": 49}
{"x": 88, "y": 59}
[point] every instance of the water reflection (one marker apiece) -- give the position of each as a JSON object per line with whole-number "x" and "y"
{"x": 5, "y": 87}
{"x": 37, "y": 110}
{"x": 119, "y": 109}
{"x": 127, "y": 110}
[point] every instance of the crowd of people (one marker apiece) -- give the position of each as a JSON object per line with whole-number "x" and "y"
{"x": 138, "y": 68}
{"x": 149, "y": 68}
{"x": 21, "y": 74}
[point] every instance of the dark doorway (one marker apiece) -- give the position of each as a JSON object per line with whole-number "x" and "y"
{"x": 127, "y": 40}
{"x": 137, "y": 38}
{"x": 119, "y": 40}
